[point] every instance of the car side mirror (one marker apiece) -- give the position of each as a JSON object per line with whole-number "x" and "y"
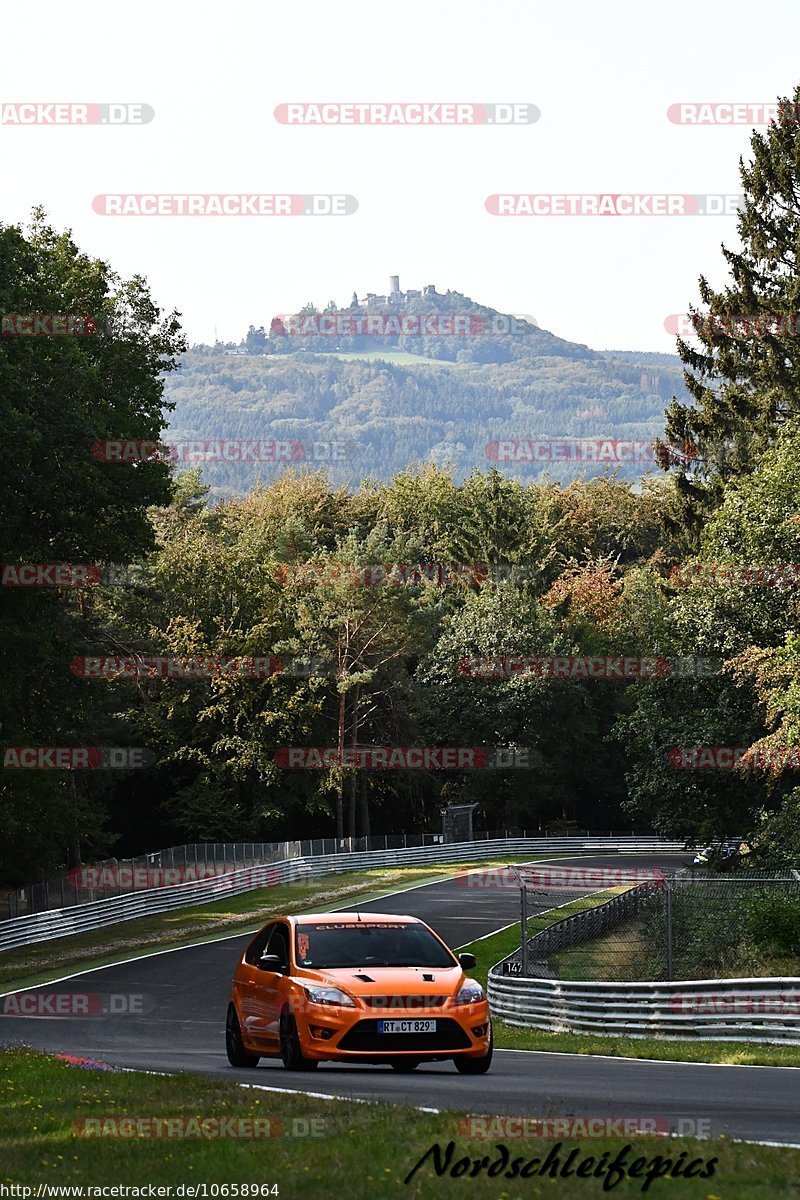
{"x": 271, "y": 962}
{"x": 467, "y": 960}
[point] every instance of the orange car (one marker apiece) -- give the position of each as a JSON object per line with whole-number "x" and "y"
{"x": 356, "y": 988}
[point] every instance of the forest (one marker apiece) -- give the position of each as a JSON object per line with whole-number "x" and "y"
{"x": 612, "y": 651}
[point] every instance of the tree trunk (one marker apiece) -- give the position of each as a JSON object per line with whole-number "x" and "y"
{"x": 355, "y": 776}
{"x": 340, "y": 788}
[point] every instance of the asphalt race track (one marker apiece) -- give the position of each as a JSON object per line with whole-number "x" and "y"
{"x": 185, "y": 999}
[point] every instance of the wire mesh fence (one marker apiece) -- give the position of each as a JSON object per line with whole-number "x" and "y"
{"x": 684, "y": 926}
{"x": 180, "y": 864}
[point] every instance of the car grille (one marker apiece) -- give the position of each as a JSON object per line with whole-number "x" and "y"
{"x": 405, "y": 1001}
{"x": 365, "y": 1037}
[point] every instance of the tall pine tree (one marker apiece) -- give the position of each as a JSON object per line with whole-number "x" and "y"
{"x": 745, "y": 377}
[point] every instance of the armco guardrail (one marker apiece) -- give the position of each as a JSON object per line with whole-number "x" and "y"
{"x": 191, "y": 861}
{"x": 751, "y": 1010}
{"x": 199, "y": 860}
{"x": 81, "y": 918}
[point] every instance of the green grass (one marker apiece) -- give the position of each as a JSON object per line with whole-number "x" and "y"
{"x": 617, "y": 955}
{"x": 364, "y": 1151}
{"x": 44, "y": 961}
{"x": 513, "y": 1037}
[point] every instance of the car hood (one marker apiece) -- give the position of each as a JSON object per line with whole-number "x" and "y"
{"x": 382, "y": 981}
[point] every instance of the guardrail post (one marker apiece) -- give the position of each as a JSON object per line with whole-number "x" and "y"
{"x": 523, "y": 928}
{"x": 669, "y": 930}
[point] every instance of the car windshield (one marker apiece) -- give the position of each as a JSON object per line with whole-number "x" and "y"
{"x": 365, "y": 944}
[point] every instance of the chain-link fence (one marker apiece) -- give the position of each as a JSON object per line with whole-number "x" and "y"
{"x": 686, "y": 926}
{"x": 180, "y": 864}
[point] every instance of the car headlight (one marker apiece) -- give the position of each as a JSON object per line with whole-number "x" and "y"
{"x": 470, "y": 993}
{"x": 330, "y": 995}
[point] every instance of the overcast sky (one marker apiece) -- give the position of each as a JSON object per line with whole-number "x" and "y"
{"x": 602, "y": 75}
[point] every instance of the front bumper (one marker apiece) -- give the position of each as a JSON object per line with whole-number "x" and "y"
{"x": 328, "y": 1033}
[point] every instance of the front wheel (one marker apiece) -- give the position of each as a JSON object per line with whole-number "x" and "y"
{"x": 234, "y": 1047}
{"x": 476, "y": 1066}
{"x": 291, "y": 1051}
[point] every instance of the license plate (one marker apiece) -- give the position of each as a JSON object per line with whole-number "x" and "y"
{"x": 406, "y": 1027}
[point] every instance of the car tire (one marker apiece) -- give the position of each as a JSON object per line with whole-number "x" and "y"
{"x": 476, "y": 1066}
{"x": 405, "y": 1064}
{"x": 234, "y": 1047}
{"x": 291, "y": 1052}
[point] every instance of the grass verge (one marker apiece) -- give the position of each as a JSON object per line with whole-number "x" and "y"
{"x": 360, "y": 1150}
{"x": 742, "y": 1054}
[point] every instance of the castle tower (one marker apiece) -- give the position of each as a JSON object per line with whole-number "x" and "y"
{"x": 394, "y": 285}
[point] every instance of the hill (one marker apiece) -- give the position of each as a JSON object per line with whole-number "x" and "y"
{"x": 343, "y": 388}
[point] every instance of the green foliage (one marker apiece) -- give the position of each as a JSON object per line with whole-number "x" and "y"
{"x": 744, "y": 383}
{"x": 773, "y": 922}
{"x": 58, "y": 503}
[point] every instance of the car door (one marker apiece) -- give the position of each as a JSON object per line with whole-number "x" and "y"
{"x": 268, "y": 989}
{"x": 247, "y": 979}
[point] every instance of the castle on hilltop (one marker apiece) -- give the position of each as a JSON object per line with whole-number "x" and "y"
{"x": 395, "y": 296}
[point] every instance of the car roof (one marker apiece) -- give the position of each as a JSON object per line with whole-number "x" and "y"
{"x": 350, "y": 918}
